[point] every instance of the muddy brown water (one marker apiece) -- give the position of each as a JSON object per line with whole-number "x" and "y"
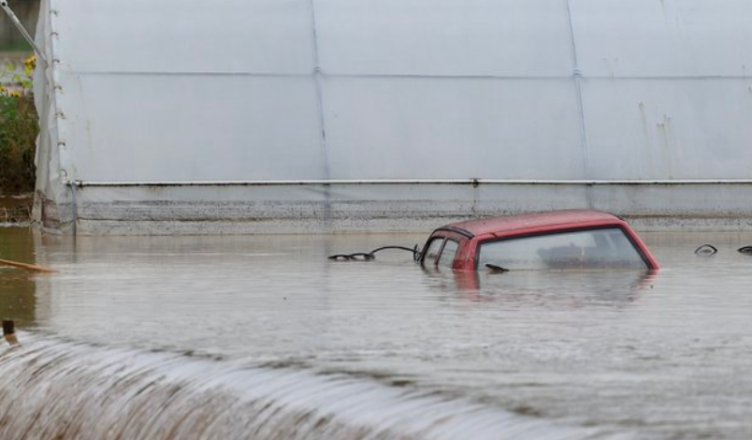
{"x": 15, "y": 209}
{"x": 263, "y": 338}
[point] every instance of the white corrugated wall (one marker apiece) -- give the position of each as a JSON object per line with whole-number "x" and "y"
{"x": 265, "y": 115}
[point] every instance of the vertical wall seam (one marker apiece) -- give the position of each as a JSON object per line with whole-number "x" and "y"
{"x": 327, "y": 203}
{"x": 577, "y": 79}
{"x": 319, "y": 92}
{"x": 74, "y": 208}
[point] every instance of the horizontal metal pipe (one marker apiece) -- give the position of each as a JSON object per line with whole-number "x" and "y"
{"x": 511, "y": 77}
{"x": 475, "y": 182}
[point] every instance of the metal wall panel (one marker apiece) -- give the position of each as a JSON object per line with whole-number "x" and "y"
{"x": 444, "y": 37}
{"x": 669, "y": 129}
{"x": 671, "y": 38}
{"x": 191, "y": 128}
{"x": 225, "y": 36}
{"x": 452, "y": 128}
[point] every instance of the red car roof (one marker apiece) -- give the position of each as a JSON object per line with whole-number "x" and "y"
{"x": 534, "y": 221}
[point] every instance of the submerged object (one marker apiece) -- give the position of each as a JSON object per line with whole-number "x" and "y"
{"x": 31, "y": 267}
{"x": 706, "y": 250}
{"x": 9, "y": 332}
{"x": 370, "y": 256}
{"x": 580, "y": 239}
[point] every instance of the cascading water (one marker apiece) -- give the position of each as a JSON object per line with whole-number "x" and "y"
{"x": 53, "y": 389}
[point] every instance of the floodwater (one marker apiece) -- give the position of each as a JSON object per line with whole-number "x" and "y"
{"x": 264, "y": 338}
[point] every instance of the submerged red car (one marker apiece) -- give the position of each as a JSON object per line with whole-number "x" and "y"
{"x": 579, "y": 239}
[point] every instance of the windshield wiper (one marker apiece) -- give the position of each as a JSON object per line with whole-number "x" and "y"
{"x": 496, "y": 269}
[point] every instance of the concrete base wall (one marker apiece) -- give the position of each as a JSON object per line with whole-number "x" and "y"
{"x": 343, "y": 208}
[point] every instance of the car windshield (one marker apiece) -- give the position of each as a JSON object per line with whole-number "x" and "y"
{"x": 596, "y": 248}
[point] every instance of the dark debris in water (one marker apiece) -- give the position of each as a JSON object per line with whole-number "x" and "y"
{"x": 285, "y": 364}
{"x": 9, "y": 327}
{"x": 370, "y": 256}
{"x": 706, "y": 250}
{"x": 401, "y": 383}
{"x": 358, "y": 256}
{"x": 527, "y": 410}
{"x": 9, "y": 332}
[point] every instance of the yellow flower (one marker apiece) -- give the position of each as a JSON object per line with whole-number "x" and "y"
{"x": 2, "y": 89}
{"x": 15, "y": 94}
{"x": 31, "y": 62}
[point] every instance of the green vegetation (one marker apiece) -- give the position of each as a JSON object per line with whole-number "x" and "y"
{"x": 19, "y": 127}
{"x": 16, "y": 46}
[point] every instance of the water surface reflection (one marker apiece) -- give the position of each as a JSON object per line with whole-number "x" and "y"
{"x": 17, "y": 288}
{"x": 576, "y": 288}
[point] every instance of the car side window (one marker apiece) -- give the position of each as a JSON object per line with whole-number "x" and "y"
{"x": 432, "y": 252}
{"x": 447, "y": 254}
